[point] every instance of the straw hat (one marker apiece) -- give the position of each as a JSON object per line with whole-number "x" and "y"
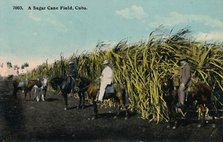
{"x": 183, "y": 58}
{"x": 71, "y": 63}
{"x": 106, "y": 62}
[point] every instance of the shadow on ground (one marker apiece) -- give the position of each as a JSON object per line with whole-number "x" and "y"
{"x": 47, "y": 121}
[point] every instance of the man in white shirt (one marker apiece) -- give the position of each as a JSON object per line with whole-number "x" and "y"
{"x": 107, "y": 78}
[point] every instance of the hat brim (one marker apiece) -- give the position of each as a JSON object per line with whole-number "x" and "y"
{"x": 183, "y": 60}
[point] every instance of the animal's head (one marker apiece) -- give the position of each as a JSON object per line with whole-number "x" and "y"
{"x": 55, "y": 82}
{"x": 201, "y": 91}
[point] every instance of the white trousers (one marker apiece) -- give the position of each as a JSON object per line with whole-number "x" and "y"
{"x": 102, "y": 89}
{"x": 181, "y": 94}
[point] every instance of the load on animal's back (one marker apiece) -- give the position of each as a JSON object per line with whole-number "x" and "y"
{"x": 19, "y": 85}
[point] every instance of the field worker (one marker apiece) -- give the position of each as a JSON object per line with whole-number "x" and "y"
{"x": 185, "y": 80}
{"x": 72, "y": 74}
{"x": 107, "y": 78}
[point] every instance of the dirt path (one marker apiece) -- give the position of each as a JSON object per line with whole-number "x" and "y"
{"x": 47, "y": 121}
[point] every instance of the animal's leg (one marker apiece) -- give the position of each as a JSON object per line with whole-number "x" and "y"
{"x": 169, "y": 120}
{"x": 80, "y": 100}
{"x": 170, "y": 114}
{"x": 37, "y": 95}
{"x": 126, "y": 103}
{"x": 126, "y": 113}
{"x": 213, "y": 116}
{"x": 168, "y": 124}
{"x": 65, "y": 100}
{"x": 174, "y": 117}
{"x": 37, "y": 98}
{"x": 43, "y": 97}
{"x": 202, "y": 123}
{"x": 175, "y": 125}
{"x": 203, "y": 114}
{"x": 95, "y": 111}
{"x": 214, "y": 122}
{"x": 15, "y": 93}
{"x": 117, "y": 107}
{"x": 25, "y": 95}
{"x": 30, "y": 98}
{"x": 119, "y": 110}
{"x": 43, "y": 94}
{"x": 83, "y": 100}
{"x": 172, "y": 122}
{"x": 34, "y": 92}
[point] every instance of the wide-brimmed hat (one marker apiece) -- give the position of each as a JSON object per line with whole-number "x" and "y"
{"x": 71, "y": 63}
{"x": 106, "y": 62}
{"x": 183, "y": 58}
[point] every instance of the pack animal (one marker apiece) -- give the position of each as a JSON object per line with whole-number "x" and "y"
{"x": 120, "y": 96}
{"x": 197, "y": 100}
{"x": 40, "y": 92}
{"x": 27, "y": 85}
{"x": 64, "y": 84}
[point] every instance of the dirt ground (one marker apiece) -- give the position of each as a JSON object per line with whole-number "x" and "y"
{"x": 47, "y": 121}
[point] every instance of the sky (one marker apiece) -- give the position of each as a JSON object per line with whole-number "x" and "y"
{"x": 34, "y": 36}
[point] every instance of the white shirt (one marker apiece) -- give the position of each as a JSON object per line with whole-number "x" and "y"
{"x": 107, "y": 75}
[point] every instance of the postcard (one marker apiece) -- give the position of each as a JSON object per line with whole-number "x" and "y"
{"x": 96, "y": 70}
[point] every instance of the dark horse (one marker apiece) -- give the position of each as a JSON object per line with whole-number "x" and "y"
{"x": 120, "y": 96}
{"x": 26, "y": 86}
{"x": 198, "y": 99}
{"x": 64, "y": 85}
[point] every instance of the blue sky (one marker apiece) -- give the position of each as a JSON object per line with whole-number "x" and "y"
{"x": 33, "y": 36}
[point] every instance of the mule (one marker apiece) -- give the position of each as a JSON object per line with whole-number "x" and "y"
{"x": 25, "y": 86}
{"x": 64, "y": 85}
{"x": 120, "y": 96}
{"x": 40, "y": 93}
{"x": 198, "y": 99}
{"x": 201, "y": 92}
